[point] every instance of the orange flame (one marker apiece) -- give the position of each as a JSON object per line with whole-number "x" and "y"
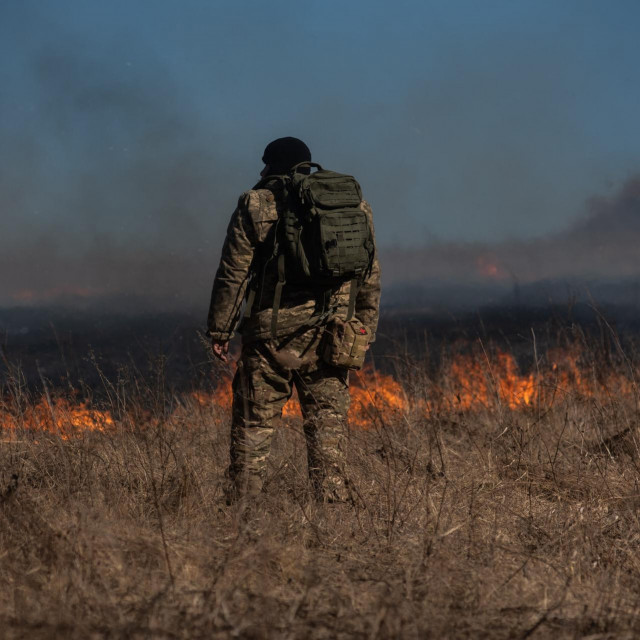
{"x": 488, "y": 267}
{"x": 475, "y": 385}
{"x": 466, "y": 383}
{"x": 60, "y": 415}
{"x": 374, "y": 394}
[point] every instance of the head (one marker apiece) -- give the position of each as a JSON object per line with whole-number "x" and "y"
{"x": 283, "y": 154}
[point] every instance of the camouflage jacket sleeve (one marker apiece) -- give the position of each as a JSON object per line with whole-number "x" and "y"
{"x": 368, "y": 298}
{"x": 230, "y": 283}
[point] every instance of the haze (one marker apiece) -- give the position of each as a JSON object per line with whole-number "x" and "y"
{"x": 128, "y": 131}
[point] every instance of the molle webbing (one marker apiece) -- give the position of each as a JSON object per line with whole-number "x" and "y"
{"x": 323, "y": 236}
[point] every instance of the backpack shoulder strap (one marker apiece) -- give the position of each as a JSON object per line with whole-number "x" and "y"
{"x": 277, "y": 296}
{"x": 353, "y": 293}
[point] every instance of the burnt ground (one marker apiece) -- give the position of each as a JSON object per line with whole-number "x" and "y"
{"x": 80, "y": 348}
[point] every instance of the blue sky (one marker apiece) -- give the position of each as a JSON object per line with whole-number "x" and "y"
{"x": 139, "y": 123}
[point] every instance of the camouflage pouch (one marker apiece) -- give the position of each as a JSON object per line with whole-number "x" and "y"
{"x": 344, "y": 344}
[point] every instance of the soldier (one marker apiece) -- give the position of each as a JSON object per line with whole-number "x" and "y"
{"x": 283, "y": 324}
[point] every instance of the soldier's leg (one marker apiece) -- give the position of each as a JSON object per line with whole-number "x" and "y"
{"x": 324, "y": 398}
{"x": 260, "y": 391}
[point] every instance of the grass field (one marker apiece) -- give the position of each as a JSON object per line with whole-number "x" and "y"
{"x": 491, "y": 500}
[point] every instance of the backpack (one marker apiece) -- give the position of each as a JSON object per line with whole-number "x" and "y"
{"x": 323, "y": 237}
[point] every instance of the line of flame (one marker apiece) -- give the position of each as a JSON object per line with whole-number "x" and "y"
{"x": 467, "y": 384}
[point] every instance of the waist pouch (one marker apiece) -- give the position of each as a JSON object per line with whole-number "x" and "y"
{"x": 344, "y": 344}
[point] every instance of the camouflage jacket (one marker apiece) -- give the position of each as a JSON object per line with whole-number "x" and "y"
{"x": 248, "y": 253}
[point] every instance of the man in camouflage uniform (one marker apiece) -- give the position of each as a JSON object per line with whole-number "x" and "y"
{"x": 269, "y": 368}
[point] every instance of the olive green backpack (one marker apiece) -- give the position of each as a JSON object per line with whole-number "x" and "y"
{"x": 323, "y": 238}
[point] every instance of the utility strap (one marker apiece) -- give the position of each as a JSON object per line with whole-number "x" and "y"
{"x": 326, "y": 299}
{"x": 353, "y": 292}
{"x": 250, "y": 299}
{"x": 277, "y": 297}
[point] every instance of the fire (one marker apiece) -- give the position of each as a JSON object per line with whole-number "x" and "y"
{"x": 467, "y": 383}
{"x": 375, "y": 395}
{"x": 474, "y": 384}
{"x": 488, "y": 267}
{"x": 62, "y": 416}
{"x": 372, "y": 394}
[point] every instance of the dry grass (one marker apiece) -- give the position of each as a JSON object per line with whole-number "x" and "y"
{"x": 494, "y": 523}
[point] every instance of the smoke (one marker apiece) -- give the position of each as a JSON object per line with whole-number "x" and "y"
{"x": 115, "y": 186}
{"x": 112, "y": 186}
{"x": 599, "y": 252}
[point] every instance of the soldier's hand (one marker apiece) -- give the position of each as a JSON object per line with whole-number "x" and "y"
{"x": 220, "y": 349}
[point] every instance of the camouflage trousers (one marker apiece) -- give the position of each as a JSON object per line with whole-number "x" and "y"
{"x": 263, "y": 383}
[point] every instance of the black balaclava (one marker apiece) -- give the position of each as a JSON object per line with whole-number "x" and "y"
{"x": 284, "y": 153}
